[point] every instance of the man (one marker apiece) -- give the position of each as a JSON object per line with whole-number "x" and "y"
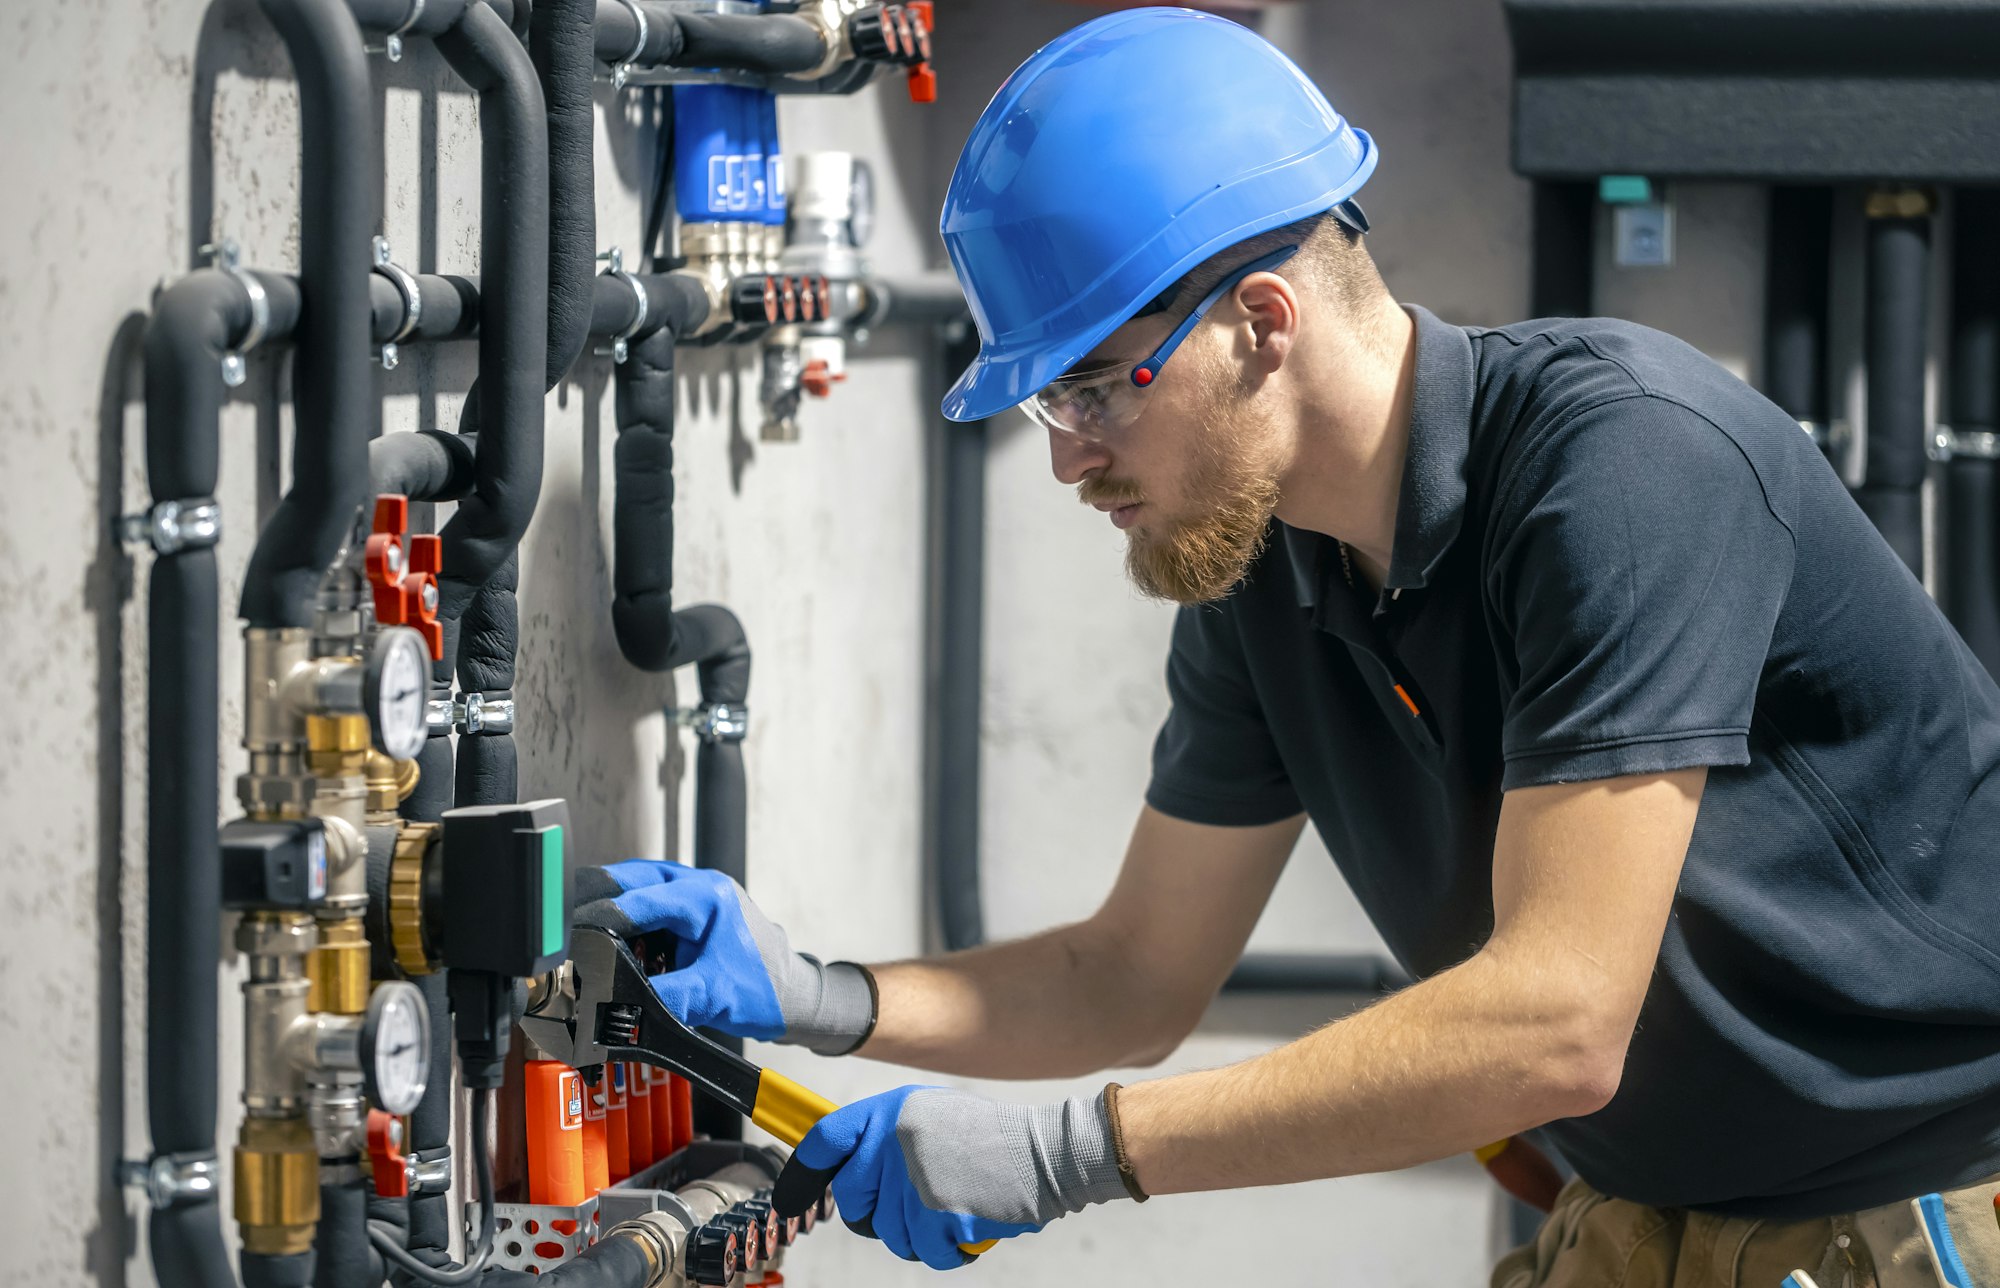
{"x": 1646, "y": 755}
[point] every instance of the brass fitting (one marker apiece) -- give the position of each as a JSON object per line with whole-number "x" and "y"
{"x": 277, "y": 1185}
{"x": 413, "y": 949}
{"x": 390, "y": 782}
{"x": 338, "y": 968}
{"x": 1900, "y": 203}
{"x": 345, "y": 734}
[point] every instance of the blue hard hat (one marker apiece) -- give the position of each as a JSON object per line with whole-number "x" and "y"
{"x": 1118, "y": 157}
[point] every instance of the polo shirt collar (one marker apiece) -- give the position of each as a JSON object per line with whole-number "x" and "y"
{"x": 1432, "y": 501}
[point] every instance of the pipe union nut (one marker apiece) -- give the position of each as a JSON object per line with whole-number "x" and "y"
{"x": 283, "y": 935}
{"x": 276, "y": 795}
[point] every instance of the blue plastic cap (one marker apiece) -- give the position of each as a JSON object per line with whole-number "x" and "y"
{"x": 1118, "y": 157}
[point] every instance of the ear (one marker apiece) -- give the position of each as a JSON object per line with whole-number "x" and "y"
{"x": 1270, "y": 325}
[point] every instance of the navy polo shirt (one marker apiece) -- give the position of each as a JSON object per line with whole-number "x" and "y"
{"x": 1612, "y": 557}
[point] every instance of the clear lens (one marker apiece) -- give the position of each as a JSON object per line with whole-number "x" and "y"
{"x": 1090, "y": 406}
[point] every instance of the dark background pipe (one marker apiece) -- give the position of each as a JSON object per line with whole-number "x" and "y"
{"x": 1897, "y": 456}
{"x": 1799, "y": 251}
{"x": 954, "y": 658}
{"x": 343, "y": 1256}
{"x": 194, "y": 322}
{"x": 330, "y": 376}
{"x": 561, "y": 36}
{"x": 1972, "y": 490}
{"x": 1562, "y": 256}
{"x": 450, "y": 308}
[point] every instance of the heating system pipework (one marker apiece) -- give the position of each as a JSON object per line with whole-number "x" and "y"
{"x": 393, "y": 897}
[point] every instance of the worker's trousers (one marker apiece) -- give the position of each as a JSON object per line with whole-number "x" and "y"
{"x": 1591, "y": 1241}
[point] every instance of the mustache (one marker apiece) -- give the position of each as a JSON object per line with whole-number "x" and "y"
{"x": 1112, "y": 492}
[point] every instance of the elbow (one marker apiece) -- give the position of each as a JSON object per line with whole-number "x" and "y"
{"x": 1580, "y": 1067}
{"x": 1170, "y": 1027}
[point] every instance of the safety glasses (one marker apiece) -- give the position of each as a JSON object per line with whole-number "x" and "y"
{"x": 1093, "y": 403}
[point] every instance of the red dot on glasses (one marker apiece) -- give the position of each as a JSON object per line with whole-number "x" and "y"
{"x": 1142, "y": 376}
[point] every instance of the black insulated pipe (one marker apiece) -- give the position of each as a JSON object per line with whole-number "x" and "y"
{"x": 614, "y": 1261}
{"x": 505, "y": 405}
{"x": 448, "y": 308}
{"x": 344, "y": 1257}
{"x": 1972, "y": 490}
{"x": 195, "y": 322}
{"x": 1891, "y": 492}
{"x": 330, "y": 377}
{"x": 651, "y": 633}
{"x": 1799, "y": 250}
{"x": 772, "y": 43}
{"x": 561, "y": 36}
{"x": 1562, "y": 260}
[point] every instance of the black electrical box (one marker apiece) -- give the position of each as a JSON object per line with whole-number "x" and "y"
{"x": 506, "y": 894}
{"x": 273, "y": 864}
{"x": 1811, "y": 91}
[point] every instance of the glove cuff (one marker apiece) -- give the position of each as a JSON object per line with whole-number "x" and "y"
{"x": 1073, "y": 1143}
{"x": 843, "y": 1017}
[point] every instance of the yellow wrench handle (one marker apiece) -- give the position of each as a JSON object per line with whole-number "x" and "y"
{"x": 788, "y": 1111}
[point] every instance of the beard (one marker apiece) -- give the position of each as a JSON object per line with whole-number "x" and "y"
{"x": 1232, "y": 494}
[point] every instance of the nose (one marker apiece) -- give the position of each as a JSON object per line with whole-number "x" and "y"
{"x": 1072, "y": 457}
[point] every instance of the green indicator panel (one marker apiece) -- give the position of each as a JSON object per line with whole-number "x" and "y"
{"x": 552, "y": 889}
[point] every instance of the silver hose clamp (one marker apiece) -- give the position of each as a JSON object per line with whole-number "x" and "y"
{"x": 440, "y": 717}
{"x": 430, "y": 1171}
{"x": 170, "y": 527}
{"x": 621, "y": 343}
{"x": 225, "y": 256}
{"x": 167, "y": 1179}
{"x": 480, "y": 714}
{"x": 621, "y": 71}
{"x": 413, "y": 300}
{"x": 716, "y": 722}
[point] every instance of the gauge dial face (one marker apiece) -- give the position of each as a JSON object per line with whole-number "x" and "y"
{"x": 396, "y": 1047}
{"x": 397, "y": 682}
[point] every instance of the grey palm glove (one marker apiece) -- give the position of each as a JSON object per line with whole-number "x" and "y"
{"x": 932, "y": 1172}
{"x": 734, "y": 969}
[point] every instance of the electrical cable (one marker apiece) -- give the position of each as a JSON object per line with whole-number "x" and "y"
{"x": 663, "y": 190}
{"x": 383, "y": 1235}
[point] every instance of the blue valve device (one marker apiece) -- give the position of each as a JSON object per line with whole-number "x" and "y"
{"x": 727, "y": 165}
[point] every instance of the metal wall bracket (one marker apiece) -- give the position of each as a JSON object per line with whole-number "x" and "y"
{"x": 227, "y": 257}
{"x": 480, "y": 714}
{"x": 406, "y": 286}
{"x": 392, "y": 44}
{"x": 621, "y": 343}
{"x": 1976, "y": 444}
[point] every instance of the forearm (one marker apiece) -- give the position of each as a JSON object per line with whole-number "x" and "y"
{"x": 1467, "y": 1057}
{"x": 1060, "y": 1003}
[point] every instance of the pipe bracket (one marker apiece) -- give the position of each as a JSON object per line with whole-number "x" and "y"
{"x": 621, "y": 343}
{"x": 621, "y": 71}
{"x": 170, "y": 1179}
{"x": 716, "y": 722}
{"x": 1974, "y": 444}
{"x": 406, "y": 287}
{"x": 225, "y": 256}
{"x": 430, "y": 1171}
{"x": 173, "y": 526}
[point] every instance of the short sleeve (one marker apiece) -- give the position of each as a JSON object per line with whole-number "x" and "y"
{"x": 1215, "y": 760}
{"x": 1637, "y": 572}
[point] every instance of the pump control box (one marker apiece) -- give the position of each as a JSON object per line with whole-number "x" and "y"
{"x": 506, "y": 893}
{"x": 280, "y": 863}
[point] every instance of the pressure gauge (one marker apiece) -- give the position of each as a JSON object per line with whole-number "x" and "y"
{"x": 395, "y": 1047}
{"x": 394, "y": 684}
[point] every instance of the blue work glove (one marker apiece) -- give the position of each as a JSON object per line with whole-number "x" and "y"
{"x": 926, "y": 1169}
{"x": 733, "y": 969}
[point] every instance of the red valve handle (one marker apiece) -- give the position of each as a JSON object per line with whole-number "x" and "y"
{"x": 818, "y": 379}
{"x": 385, "y": 1154}
{"x": 402, "y": 572}
{"x": 923, "y": 81}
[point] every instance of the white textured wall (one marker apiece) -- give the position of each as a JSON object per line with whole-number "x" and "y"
{"x": 132, "y": 130}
